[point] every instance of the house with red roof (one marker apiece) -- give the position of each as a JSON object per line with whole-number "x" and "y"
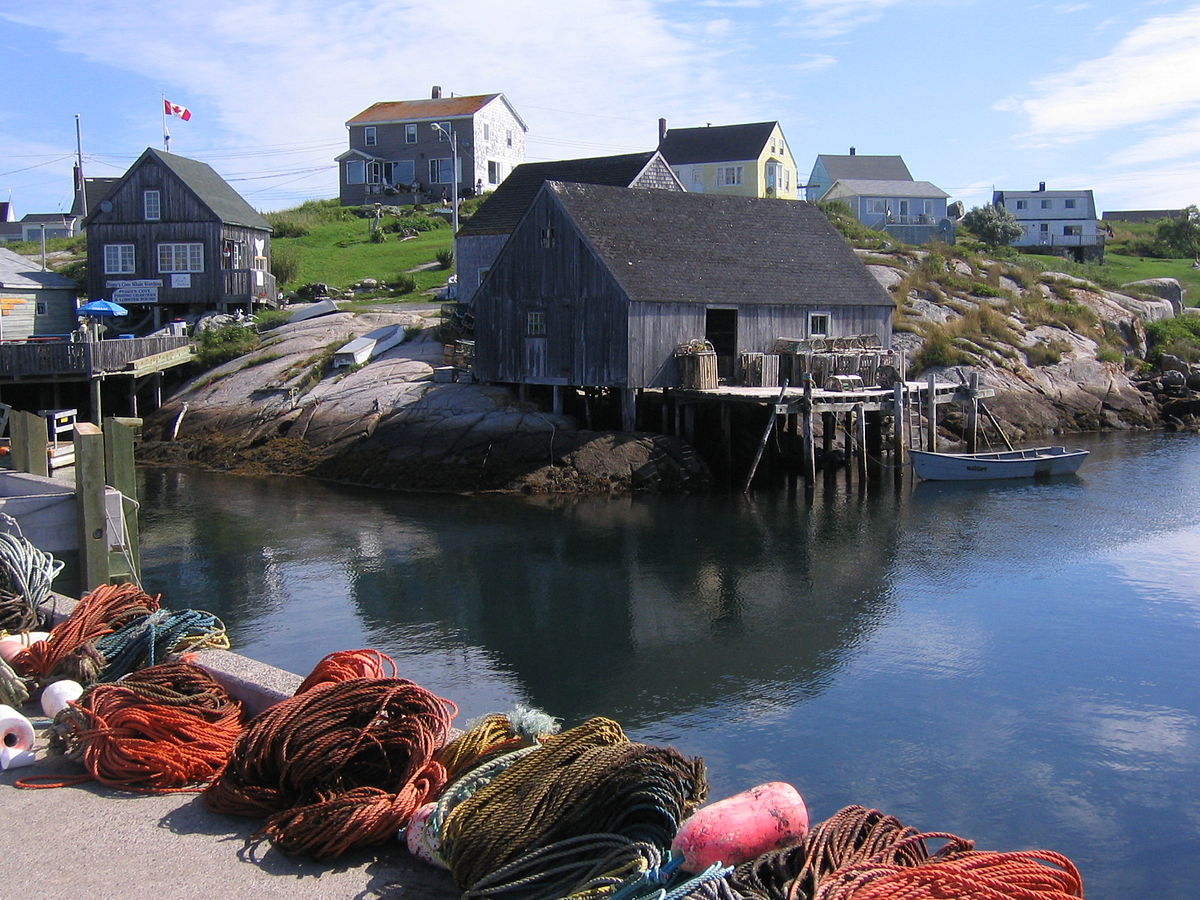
{"x": 403, "y": 151}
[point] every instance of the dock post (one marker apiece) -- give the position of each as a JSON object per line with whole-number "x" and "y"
{"x": 860, "y": 432}
{"x": 119, "y": 435}
{"x": 30, "y": 435}
{"x": 848, "y": 441}
{"x": 810, "y": 450}
{"x": 556, "y": 399}
{"x": 931, "y": 414}
{"x": 628, "y": 409}
{"x": 89, "y": 495}
{"x": 828, "y": 430}
{"x": 727, "y": 443}
{"x": 973, "y": 414}
{"x": 898, "y": 430}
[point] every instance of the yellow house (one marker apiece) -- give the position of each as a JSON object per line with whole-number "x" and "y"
{"x": 745, "y": 160}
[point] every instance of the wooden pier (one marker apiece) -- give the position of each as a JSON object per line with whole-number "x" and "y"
{"x": 908, "y": 408}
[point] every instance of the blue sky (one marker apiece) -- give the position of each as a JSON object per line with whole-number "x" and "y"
{"x": 974, "y": 94}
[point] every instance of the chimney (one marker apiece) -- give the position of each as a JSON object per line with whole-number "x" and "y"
{"x": 1041, "y": 186}
{"x": 662, "y": 129}
{"x": 437, "y": 92}
{"x": 851, "y": 151}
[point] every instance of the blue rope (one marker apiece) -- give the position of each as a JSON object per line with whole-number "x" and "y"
{"x": 148, "y": 640}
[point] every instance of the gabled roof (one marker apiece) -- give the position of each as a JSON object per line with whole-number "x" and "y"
{"x": 664, "y": 246}
{"x": 722, "y": 143}
{"x": 95, "y": 190}
{"x": 49, "y": 218}
{"x": 861, "y": 187}
{"x": 17, "y": 271}
{"x": 502, "y": 210}
{"x": 6, "y": 211}
{"x": 210, "y": 189}
{"x": 431, "y": 110}
{"x": 856, "y": 166}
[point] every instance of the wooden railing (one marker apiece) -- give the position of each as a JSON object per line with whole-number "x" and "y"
{"x": 31, "y": 360}
{"x": 240, "y": 284}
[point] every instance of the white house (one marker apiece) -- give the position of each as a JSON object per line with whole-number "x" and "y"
{"x": 1060, "y": 223}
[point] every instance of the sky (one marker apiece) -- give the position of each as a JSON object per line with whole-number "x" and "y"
{"x": 975, "y": 95}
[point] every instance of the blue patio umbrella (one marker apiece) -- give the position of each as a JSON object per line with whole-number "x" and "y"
{"x": 102, "y": 308}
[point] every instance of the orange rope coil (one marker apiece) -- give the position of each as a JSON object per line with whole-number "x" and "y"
{"x": 343, "y": 665}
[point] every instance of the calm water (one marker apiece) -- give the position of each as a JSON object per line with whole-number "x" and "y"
{"x": 1016, "y": 663}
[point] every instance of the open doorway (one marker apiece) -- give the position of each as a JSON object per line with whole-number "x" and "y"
{"x": 720, "y": 330}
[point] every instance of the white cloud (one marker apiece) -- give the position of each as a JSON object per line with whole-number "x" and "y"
{"x": 830, "y": 18}
{"x": 1066, "y": 9}
{"x": 1152, "y": 75}
{"x": 813, "y": 62}
{"x": 1180, "y": 141}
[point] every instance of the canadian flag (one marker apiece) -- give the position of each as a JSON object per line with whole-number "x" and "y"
{"x": 174, "y": 109}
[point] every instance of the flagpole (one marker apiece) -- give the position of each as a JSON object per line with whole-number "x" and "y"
{"x": 163, "y": 109}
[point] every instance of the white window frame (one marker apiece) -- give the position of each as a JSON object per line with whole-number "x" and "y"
{"x": 437, "y": 167}
{"x": 410, "y": 133}
{"x": 182, "y": 256}
{"x": 119, "y": 259}
{"x": 1021, "y": 204}
{"x": 40, "y": 308}
{"x": 356, "y": 171}
{"x": 443, "y": 132}
{"x": 486, "y": 132}
{"x": 1069, "y": 203}
{"x": 876, "y": 206}
{"x": 814, "y": 318}
{"x": 370, "y": 136}
{"x": 535, "y": 323}
{"x": 374, "y": 172}
{"x": 151, "y": 206}
{"x": 729, "y": 176}
{"x": 1073, "y": 231}
{"x": 399, "y": 167}
{"x": 902, "y": 207}
{"x": 1046, "y": 204}
{"x": 495, "y": 171}
{"x": 508, "y": 137}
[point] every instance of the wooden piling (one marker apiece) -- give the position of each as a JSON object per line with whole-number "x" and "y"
{"x": 810, "y": 450}
{"x": 89, "y": 495}
{"x": 860, "y": 431}
{"x": 119, "y": 437}
{"x": 30, "y": 435}
{"x": 931, "y": 414}
{"x": 898, "y": 430}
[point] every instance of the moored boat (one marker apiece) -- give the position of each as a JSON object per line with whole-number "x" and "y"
{"x": 1034, "y": 462}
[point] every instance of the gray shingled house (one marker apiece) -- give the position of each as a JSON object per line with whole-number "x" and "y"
{"x": 480, "y": 237}
{"x": 173, "y": 238}
{"x": 598, "y": 286}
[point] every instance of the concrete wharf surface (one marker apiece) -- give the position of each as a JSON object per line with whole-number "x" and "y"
{"x": 91, "y": 840}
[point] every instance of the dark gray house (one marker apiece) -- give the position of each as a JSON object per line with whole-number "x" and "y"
{"x": 480, "y": 237}
{"x": 598, "y": 286}
{"x": 172, "y": 238}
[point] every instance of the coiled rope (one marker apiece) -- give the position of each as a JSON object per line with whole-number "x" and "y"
{"x": 969, "y": 875}
{"x": 13, "y": 691}
{"x": 589, "y": 780}
{"x": 343, "y": 765}
{"x": 69, "y": 652}
{"x": 166, "y": 729}
{"x": 343, "y": 665}
{"x": 26, "y": 574}
{"x": 852, "y": 835}
{"x": 493, "y": 736}
{"x": 146, "y": 640}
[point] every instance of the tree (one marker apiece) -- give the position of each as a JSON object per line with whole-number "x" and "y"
{"x": 1181, "y": 237}
{"x": 994, "y": 225}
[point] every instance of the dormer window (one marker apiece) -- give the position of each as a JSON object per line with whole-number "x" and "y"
{"x": 151, "y": 206}
{"x": 369, "y": 136}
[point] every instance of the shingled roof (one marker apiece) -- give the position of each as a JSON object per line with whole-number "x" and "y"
{"x": 502, "y": 210}
{"x": 210, "y": 188}
{"x": 871, "y": 168}
{"x": 684, "y": 146}
{"x": 863, "y": 187}
{"x": 422, "y": 110}
{"x": 663, "y": 246}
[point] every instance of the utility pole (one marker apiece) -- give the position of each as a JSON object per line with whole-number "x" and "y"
{"x": 453, "y": 174}
{"x": 83, "y": 210}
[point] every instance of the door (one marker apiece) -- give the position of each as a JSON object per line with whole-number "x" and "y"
{"x": 720, "y": 330}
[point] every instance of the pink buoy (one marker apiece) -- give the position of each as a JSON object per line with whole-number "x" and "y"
{"x": 13, "y": 644}
{"x": 421, "y": 839}
{"x": 743, "y": 826}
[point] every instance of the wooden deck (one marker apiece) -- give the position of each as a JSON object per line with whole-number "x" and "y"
{"x": 84, "y": 360}
{"x": 870, "y": 399}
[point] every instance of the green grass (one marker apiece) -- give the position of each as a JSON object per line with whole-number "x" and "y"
{"x": 340, "y": 252}
{"x": 1118, "y": 269}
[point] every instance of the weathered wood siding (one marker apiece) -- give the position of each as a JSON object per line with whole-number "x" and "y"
{"x": 472, "y": 253}
{"x": 657, "y": 175}
{"x": 584, "y": 309}
{"x": 656, "y": 329}
{"x": 21, "y": 319}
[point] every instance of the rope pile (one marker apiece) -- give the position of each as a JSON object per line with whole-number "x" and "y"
{"x": 165, "y": 729}
{"x": 590, "y": 780}
{"x": 493, "y": 736}
{"x": 343, "y": 765}
{"x": 12, "y": 687}
{"x": 146, "y": 640}
{"x": 70, "y": 650}
{"x": 26, "y": 574}
{"x": 343, "y": 665}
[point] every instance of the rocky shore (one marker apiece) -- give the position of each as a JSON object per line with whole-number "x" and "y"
{"x": 389, "y": 424}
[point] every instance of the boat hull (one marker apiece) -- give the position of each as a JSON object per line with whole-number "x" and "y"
{"x": 1037, "y": 462}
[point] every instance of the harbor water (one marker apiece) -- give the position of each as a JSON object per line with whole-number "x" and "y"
{"x": 1014, "y": 662}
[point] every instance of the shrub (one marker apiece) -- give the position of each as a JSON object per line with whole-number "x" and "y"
{"x": 1178, "y": 337}
{"x": 403, "y": 284}
{"x": 76, "y": 270}
{"x": 266, "y": 319}
{"x": 938, "y": 351}
{"x": 445, "y": 258}
{"x": 1045, "y": 354}
{"x": 285, "y": 263}
{"x": 226, "y": 342}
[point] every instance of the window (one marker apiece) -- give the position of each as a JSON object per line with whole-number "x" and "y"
{"x": 486, "y": 133}
{"x": 927, "y": 207}
{"x": 355, "y": 171}
{"x": 535, "y": 323}
{"x": 181, "y": 257}
{"x": 818, "y": 324}
{"x": 1045, "y": 204}
{"x": 233, "y": 255}
{"x": 902, "y": 207}
{"x": 729, "y": 175}
{"x": 374, "y": 172}
{"x": 1044, "y": 228}
{"x": 1069, "y": 204}
{"x": 443, "y": 131}
{"x": 1022, "y": 204}
{"x": 483, "y": 273}
{"x": 439, "y": 171}
{"x": 876, "y": 206}
{"x": 41, "y": 308}
{"x": 118, "y": 259}
{"x": 508, "y": 137}
{"x": 401, "y": 172}
{"x": 410, "y": 134}
{"x": 369, "y": 136}
{"x": 697, "y": 175}
{"x": 494, "y": 175}
{"x": 151, "y": 206}
{"x": 1075, "y": 230}
{"x": 547, "y": 238}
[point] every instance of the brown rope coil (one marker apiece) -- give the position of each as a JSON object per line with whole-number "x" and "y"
{"x": 343, "y": 765}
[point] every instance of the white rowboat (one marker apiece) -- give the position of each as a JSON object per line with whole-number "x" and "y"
{"x": 369, "y": 346}
{"x": 1036, "y": 462}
